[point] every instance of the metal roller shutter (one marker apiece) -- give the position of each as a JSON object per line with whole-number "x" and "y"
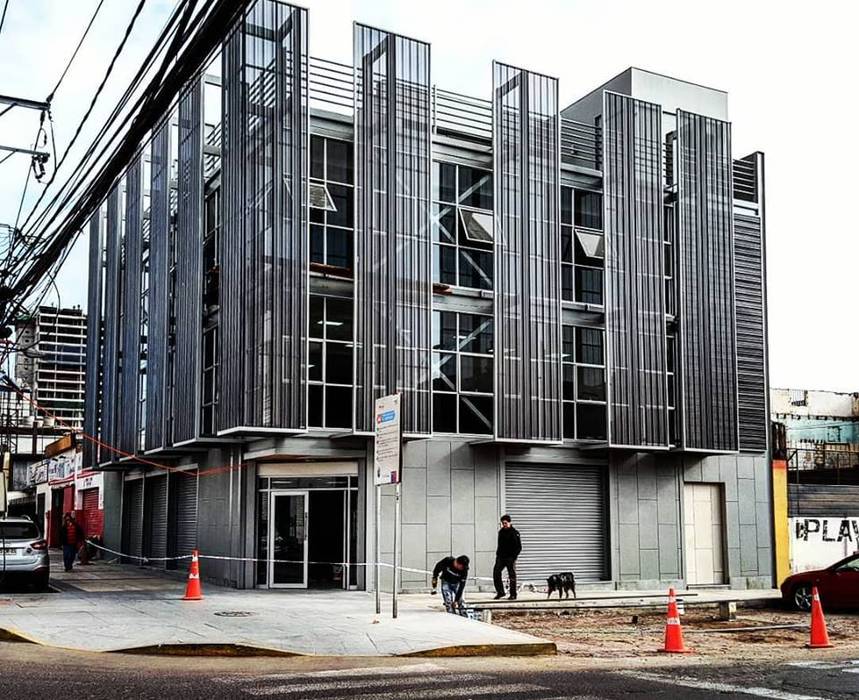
{"x": 92, "y": 515}
{"x": 186, "y": 515}
{"x": 560, "y": 512}
{"x": 132, "y": 519}
{"x": 155, "y": 522}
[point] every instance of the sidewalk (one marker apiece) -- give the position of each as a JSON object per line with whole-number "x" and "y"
{"x": 111, "y": 607}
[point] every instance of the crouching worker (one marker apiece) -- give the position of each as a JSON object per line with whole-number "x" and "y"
{"x": 454, "y": 574}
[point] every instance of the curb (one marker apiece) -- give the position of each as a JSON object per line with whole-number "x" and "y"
{"x": 10, "y": 634}
{"x": 525, "y": 649}
{"x": 205, "y": 649}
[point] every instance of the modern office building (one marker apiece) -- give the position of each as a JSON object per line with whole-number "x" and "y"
{"x": 50, "y": 364}
{"x": 569, "y": 300}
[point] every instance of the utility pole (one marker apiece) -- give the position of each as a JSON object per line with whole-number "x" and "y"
{"x": 25, "y": 103}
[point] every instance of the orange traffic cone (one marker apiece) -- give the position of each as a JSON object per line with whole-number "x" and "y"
{"x": 819, "y": 635}
{"x": 673, "y": 630}
{"x": 193, "y": 590}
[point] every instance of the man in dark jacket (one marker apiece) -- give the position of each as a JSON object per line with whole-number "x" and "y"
{"x": 509, "y": 547}
{"x": 454, "y": 574}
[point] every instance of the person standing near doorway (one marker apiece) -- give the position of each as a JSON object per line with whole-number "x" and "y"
{"x": 509, "y": 548}
{"x": 71, "y": 537}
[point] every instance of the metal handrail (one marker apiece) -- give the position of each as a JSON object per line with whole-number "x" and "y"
{"x": 581, "y": 144}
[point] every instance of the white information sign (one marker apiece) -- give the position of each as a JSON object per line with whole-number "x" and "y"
{"x": 388, "y": 441}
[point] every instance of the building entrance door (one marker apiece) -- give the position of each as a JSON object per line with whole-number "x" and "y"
{"x": 704, "y": 533}
{"x": 287, "y": 537}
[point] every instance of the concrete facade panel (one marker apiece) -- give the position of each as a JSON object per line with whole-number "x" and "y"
{"x": 748, "y": 550}
{"x": 747, "y": 501}
{"x": 462, "y": 539}
{"x": 648, "y": 533}
{"x": 669, "y": 551}
{"x": 667, "y": 501}
{"x": 414, "y": 496}
{"x": 630, "y": 565}
{"x": 462, "y": 485}
{"x": 438, "y": 468}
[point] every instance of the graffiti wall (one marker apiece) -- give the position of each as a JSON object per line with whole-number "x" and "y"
{"x": 816, "y": 543}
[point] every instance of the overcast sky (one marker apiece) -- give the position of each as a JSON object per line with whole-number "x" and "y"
{"x": 789, "y": 69}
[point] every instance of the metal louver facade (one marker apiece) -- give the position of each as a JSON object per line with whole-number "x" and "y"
{"x": 160, "y": 297}
{"x": 634, "y": 289}
{"x": 707, "y": 333}
{"x": 189, "y": 266}
{"x": 264, "y": 246}
{"x": 527, "y": 250}
{"x": 92, "y": 406}
{"x": 392, "y": 244}
{"x": 112, "y": 299}
{"x": 750, "y": 285}
{"x": 560, "y": 511}
{"x": 130, "y": 328}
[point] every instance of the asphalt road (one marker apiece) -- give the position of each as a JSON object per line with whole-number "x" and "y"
{"x": 36, "y": 672}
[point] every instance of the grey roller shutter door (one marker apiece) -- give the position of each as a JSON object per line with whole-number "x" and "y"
{"x": 132, "y": 516}
{"x": 186, "y": 514}
{"x": 155, "y": 523}
{"x": 560, "y": 512}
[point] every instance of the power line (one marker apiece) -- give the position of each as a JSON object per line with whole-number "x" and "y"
{"x": 186, "y": 27}
{"x": 157, "y": 98}
{"x": 3, "y": 18}
{"x": 27, "y": 181}
{"x": 73, "y": 181}
{"x": 92, "y": 104}
{"x": 74, "y": 55}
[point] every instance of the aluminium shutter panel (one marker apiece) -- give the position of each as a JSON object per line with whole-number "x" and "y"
{"x": 186, "y": 515}
{"x": 92, "y": 516}
{"x": 132, "y": 520}
{"x": 560, "y": 512}
{"x": 155, "y": 520}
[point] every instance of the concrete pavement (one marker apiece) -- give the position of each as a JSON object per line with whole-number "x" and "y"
{"x": 110, "y": 607}
{"x": 60, "y": 674}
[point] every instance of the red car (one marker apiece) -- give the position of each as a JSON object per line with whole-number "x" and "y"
{"x": 838, "y": 586}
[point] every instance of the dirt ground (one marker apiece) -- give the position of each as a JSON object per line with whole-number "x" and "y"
{"x": 639, "y": 633}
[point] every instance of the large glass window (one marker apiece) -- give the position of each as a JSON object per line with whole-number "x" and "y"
{"x": 584, "y": 390}
{"x": 331, "y": 202}
{"x": 329, "y": 367}
{"x": 582, "y": 246}
{"x": 462, "y": 373}
{"x": 463, "y": 229}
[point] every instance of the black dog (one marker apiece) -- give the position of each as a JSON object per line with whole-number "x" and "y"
{"x": 562, "y": 583}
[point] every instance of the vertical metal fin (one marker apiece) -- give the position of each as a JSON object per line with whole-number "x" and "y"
{"x": 392, "y": 246}
{"x": 707, "y": 331}
{"x": 130, "y": 328}
{"x": 112, "y": 300}
{"x": 264, "y": 246}
{"x": 527, "y": 256}
{"x": 159, "y": 290}
{"x": 635, "y": 291}
{"x": 92, "y": 407}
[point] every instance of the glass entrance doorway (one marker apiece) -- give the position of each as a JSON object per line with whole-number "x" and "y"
{"x": 288, "y": 539}
{"x": 307, "y": 532}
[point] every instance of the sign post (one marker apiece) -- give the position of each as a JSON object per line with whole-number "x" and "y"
{"x": 387, "y": 459}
